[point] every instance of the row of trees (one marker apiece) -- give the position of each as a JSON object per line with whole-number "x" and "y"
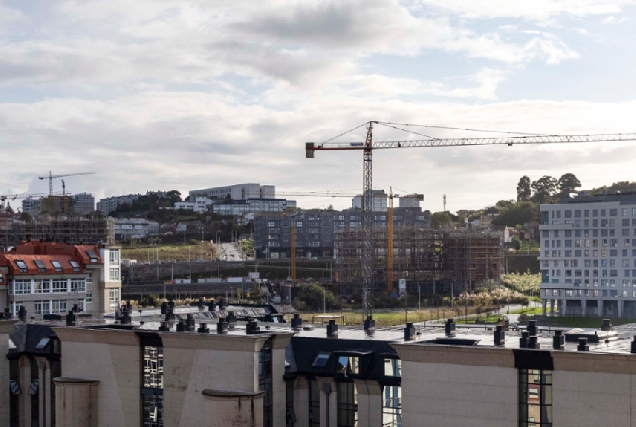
{"x": 546, "y": 188}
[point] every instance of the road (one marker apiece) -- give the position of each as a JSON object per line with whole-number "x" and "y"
{"x": 230, "y": 252}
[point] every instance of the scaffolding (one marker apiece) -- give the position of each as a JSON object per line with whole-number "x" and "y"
{"x": 430, "y": 260}
{"x": 71, "y": 230}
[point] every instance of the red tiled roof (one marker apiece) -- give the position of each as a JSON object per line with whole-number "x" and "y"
{"x": 47, "y": 252}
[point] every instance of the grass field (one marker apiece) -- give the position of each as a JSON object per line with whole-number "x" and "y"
{"x": 530, "y": 311}
{"x": 203, "y": 250}
{"x": 586, "y": 322}
{"x": 492, "y": 318}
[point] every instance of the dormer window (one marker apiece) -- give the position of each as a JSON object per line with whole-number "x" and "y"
{"x": 75, "y": 265}
{"x": 321, "y": 360}
{"x": 1, "y": 277}
{"x": 348, "y": 365}
{"x": 40, "y": 265}
{"x": 92, "y": 255}
{"x": 22, "y": 266}
{"x": 57, "y": 266}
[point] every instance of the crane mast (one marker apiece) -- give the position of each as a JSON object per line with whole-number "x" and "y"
{"x": 369, "y": 145}
{"x": 389, "y": 258}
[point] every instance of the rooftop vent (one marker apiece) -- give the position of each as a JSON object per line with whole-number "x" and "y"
{"x": 125, "y": 316}
{"x": 181, "y": 326}
{"x": 70, "y": 319}
{"x": 532, "y": 327}
{"x": 222, "y": 304}
{"x": 558, "y": 340}
{"x": 211, "y": 305}
{"x": 633, "y": 347}
{"x": 221, "y": 327}
{"x": 500, "y": 336}
{"x": 190, "y": 325}
{"x": 607, "y": 325}
{"x": 231, "y": 319}
{"x": 523, "y": 341}
{"x": 252, "y": 327}
{"x": 164, "y": 306}
{"x": 409, "y": 332}
{"x": 533, "y": 343}
{"x": 203, "y": 328}
{"x": 165, "y": 327}
{"x": 22, "y": 313}
{"x": 332, "y": 329}
{"x": 369, "y": 324}
{"x": 201, "y": 304}
{"x": 583, "y": 345}
{"x": 296, "y": 322}
{"x": 449, "y": 328}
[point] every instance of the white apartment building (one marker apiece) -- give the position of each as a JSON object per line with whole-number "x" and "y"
{"x": 199, "y": 204}
{"x": 111, "y": 203}
{"x": 32, "y": 206}
{"x": 237, "y": 192}
{"x": 588, "y": 255}
{"x": 242, "y": 207}
{"x": 135, "y": 228}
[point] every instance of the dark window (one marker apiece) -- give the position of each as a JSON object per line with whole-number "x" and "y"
{"x": 348, "y": 365}
{"x": 535, "y": 398}
{"x": 347, "y": 405}
{"x": 40, "y": 265}
{"x": 392, "y": 406}
{"x": 265, "y": 381}
{"x": 321, "y": 360}
{"x": 314, "y": 404}
{"x": 392, "y": 368}
{"x": 57, "y": 266}
{"x": 92, "y": 255}
{"x": 152, "y": 387}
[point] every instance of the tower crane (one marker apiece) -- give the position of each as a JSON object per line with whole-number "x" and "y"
{"x": 51, "y": 177}
{"x": 6, "y": 197}
{"x": 369, "y": 145}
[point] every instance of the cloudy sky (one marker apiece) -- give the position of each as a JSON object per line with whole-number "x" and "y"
{"x": 184, "y": 95}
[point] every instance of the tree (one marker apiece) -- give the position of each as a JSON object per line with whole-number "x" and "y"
{"x": 544, "y": 188}
{"x": 568, "y": 183}
{"x": 524, "y": 191}
{"x": 519, "y": 213}
{"x": 440, "y": 219}
{"x": 312, "y": 297}
{"x": 24, "y": 216}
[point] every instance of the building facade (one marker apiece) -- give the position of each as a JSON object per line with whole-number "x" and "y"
{"x": 84, "y": 203}
{"x": 110, "y": 204}
{"x": 135, "y": 228}
{"x": 50, "y": 278}
{"x": 588, "y": 255}
{"x": 250, "y": 206}
{"x": 237, "y": 192}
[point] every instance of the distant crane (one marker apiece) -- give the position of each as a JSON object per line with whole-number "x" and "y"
{"x": 316, "y": 194}
{"x": 368, "y": 145}
{"x": 51, "y": 177}
{"x": 6, "y": 197}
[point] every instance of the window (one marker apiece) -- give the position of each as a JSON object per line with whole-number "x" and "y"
{"x": 22, "y": 266}
{"x": 392, "y": 367}
{"x": 21, "y": 287}
{"x": 59, "y": 286}
{"x": 58, "y": 307}
{"x": 265, "y": 382}
{"x": 41, "y": 286}
{"x": 57, "y": 266}
{"x": 40, "y": 265}
{"x": 321, "y": 360}
{"x": 92, "y": 255}
{"x": 535, "y": 398}
{"x": 152, "y": 388}
{"x": 314, "y": 403}
{"x": 89, "y": 297}
{"x": 41, "y": 307}
{"x": 347, "y": 405}
{"x": 78, "y": 285}
{"x": 392, "y": 406}
{"x": 113, "y": 256}
{"x": 114, "y": 275}
{"x": 113, "y": 299}
{"x": 348, "y": 365}
{"x": 75, "y": 265}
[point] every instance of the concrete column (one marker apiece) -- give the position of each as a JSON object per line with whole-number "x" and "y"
{"x": 620, "y": 308}
{"x": 600, "y": 307}
{"x": 279, "y": 391}
{"x": 25, "y": 397}
{"x": 76, "y": 402}
{"x": 329, "y": 401}
{"x": 5, "y": 393}
{"x": 369, "y": 403}
{"x": 583, "y": 307}
{"x": 552, "y": 306}
{"x": 44, "y": 391}
{"x": 563, "y": 307}
{"x": 301, "y": 401}
{"x": 227, "y": 408}
{"x": 543, "y": 305}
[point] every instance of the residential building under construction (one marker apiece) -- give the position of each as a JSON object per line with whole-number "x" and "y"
{"x": 431, "y": 260}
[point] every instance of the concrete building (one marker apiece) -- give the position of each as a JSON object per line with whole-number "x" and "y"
{"x": 411, "y": 200}
{"x": 135, "y": 228}
{"x": 380, "y": 201}
{"x": 32, "y": 206}
{"x": 269, "y": 375}
{"x": 109, "y": 204}
{"x": 250, "y": 206}
{"x": 198, "y": 204}
{"x": 237, "y": 192}
{"x": 50, "y": 278}
{"x": 588, "y": 255}
{"x": 84, "y": 203}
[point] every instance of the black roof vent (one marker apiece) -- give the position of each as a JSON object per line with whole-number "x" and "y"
{"x": 409, "y": 332}
{"x": 449, "y": 328}
{"x": 296, "y": 322}
{"x": 332, "y": 329}
{"x": 70, "y": 319}
{"x": 231, "y": 318}
{"x": 181, "y": 326}
{"x": 607, "y": 325}
{"x": 222, "y": 304}
{"x": 252, "y": 327}
{"x": 523, "y": 341}
{"x": 558, "y": 340}
{"x": 169, "y": 313}
{"x": 22, "y": 313}
{"x": 500, "y": 336}
{"x": 203, "y": 329}
{"x": 268, "y": 318}
{"x": 369, "y": 324}
{"x": 633, "y": 347}
{"x": 165, "y": 327}
{"x": 201, "y": 304}
{"x": 532, "y": 327}
{"x": 190, "y": 325}
{"x": 221, "y": 327}
{"x": 164, "y": 306}
{"x": 583, "y": 345}
{"x": 125, "y": 318}
{"x": 211, "y": 305}
{"x": 532, "y": 342}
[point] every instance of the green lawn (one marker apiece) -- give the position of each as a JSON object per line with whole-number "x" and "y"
{"x": 587, "y": 322}
{"x": 490, "y": 319}
{"x": 392, "y": 318}
{"x": 534, "y": 310}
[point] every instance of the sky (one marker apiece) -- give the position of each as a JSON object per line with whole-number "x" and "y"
{"x": 161, "y": 95}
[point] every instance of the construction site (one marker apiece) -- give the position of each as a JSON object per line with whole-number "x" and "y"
{"x": 430, "y": 261}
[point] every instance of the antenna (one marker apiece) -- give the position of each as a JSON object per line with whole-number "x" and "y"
{"x": 444, "y": 202}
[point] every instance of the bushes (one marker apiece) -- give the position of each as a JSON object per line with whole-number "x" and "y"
{"x": 524, "y": 283}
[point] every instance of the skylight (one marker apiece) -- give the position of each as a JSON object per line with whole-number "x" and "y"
{"x": 321, "y": 360}
{"x": 75, "y": 265}
{"x": 92, "y": 255}
{"x": 57, "y": 265}
{"x": 40, "y": 265}
{"x": 22, "y": 266}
